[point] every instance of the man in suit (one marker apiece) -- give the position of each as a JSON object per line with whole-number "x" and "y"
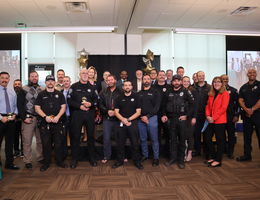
{"x": 153, "y": 75}
{"x": 123, "y": 78}
{"x": 137, "y": 82}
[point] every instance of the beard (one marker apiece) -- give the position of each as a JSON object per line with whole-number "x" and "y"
{"x": 147, "y": 84}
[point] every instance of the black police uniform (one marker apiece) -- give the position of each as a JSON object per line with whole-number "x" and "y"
{"x": 232, "y": 111}
{"x": 177, "y": 103}
{"x": 250, "y": 93}
{"x": 77, "y": 93}
{"x": 162, "y": 126}
{"x": 127, "y": 106}
{"x": 51, "y": 133}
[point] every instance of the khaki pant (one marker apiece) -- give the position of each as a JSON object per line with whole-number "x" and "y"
{"x": 28, "y": 131}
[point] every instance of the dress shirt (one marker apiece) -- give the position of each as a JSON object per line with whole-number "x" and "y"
{"x": 65, "y": 93}
{"x": 12, "y": 100}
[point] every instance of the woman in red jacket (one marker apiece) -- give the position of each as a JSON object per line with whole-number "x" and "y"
{"x": 216, "y": 115}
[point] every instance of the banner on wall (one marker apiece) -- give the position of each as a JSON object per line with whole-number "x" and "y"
{"x": 10, "y": 62}
{"x": 43, "y": 70}
{"x": 238, "y": 63}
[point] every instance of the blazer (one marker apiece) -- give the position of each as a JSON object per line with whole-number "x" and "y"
{"x": 217, "y": 108}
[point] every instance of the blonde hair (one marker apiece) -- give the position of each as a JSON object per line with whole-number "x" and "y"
{"x": 95, "y": 72}
{"x": 212, "y": 91}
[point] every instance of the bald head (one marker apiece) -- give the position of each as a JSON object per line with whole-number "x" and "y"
{"x": 83, "y": 75}
{"x": 225, "y": 79}
{"x": 251, "y": 74}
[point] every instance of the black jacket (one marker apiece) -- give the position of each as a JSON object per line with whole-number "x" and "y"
{"x": 233, "y": 106}
{"x": 107, "y": 101}
{"x": 202, "y": 94}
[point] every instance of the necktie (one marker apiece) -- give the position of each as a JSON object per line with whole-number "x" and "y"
{"x": 7, "y": 103}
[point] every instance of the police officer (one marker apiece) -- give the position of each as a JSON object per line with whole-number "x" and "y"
{"x": 82, "y": 100}
{"x": 127, "y": 110}
{"x": 150, "y": 101}
{"x": 249, "y": 101}
{"x": 8, "y": 112}
{"x": 178, "y": 107}
{"x": 107, "y": 107}
{"x": 50, "y": 105}
{"x": 232, "y": 116}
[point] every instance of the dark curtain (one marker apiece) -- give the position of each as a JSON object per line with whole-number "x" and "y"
{"x": 117, "y": 63}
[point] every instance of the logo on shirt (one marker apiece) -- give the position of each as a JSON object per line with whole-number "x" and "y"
{"x": 89, "y": 90}
{"x": 44, "y": 97}
{"x": 181, "y": 94}
{"x": 132, "y": 99}
{"x": 150, "y": 94}
{"x": 56, "y": 96}
{"x": 254, "y": 88}
{"x": 164, "y": 89}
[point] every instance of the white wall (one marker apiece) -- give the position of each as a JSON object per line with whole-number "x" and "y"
{"x": 200, "y": 52}
{"x": 159, "y": 42}
{"x": 193, "y": 52}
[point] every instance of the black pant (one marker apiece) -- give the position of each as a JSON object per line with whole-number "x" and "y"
{"x": 17, "y": 136}
{"x": 200, "y": 120}
{"x": 7, "y": 131}
{"x": 52, "y": 134}
{"x": 248, "y": 125}
{"x": 230, "y": 128}
{"x": 177, "y": 132}
{"x": 219, "y": 131}
{"x": 132, "y": 133}
{"x": 163, "y": 135}
{"x": 78, "y": 119}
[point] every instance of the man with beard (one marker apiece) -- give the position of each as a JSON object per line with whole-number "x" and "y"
{"x": 25, "y": 104}
{"x": 8, "y": 112}
{"x": 232, "y": 116}
{"x": 249, "y": 101}
{"x": 163, "y": 132}
{"x": 60, "y": 76}
{"x": 127, "y": 110}
{"x": 50, "y": 106}
{"x": 18, "y": 123}
{"x": 82, "y": 100}
{"x": 178, "y": 105}
{"x": 107, "y": 107}
{"x": 148, "y": 124}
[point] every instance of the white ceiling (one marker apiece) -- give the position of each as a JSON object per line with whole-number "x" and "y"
{"x": 209, "y": 14}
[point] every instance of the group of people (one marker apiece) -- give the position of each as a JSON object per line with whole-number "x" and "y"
{"x": 160, "y": 106}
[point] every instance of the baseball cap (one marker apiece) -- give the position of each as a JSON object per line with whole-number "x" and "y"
{"x": 176, "y": 76}
{"x": 50, "y": 77}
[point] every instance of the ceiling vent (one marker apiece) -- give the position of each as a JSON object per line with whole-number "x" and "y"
{"x": 243, "y": 10}
{"x": 76, "y": 6}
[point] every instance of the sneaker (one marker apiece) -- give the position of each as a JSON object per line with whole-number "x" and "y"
{"x": 155, "y": 162}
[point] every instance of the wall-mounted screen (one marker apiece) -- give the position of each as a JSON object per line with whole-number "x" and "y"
{"x": 10, "y": 62}
{"x": 238, "y": 63}
{"x": 43, "y": 70}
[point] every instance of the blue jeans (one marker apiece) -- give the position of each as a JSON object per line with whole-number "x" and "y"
{"x": 109, "y": 127}
{"x": 152, "y": 130}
